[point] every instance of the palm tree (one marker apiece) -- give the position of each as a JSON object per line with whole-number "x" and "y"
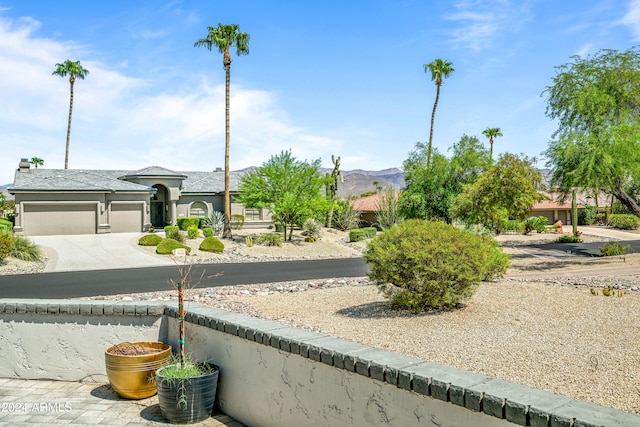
{"x": 37, "y": 161}
{"x": 73, "y": 69}
{"x": 491, "y": 133}
{"x": 224, "y": 37}
{"x": 440, "y": 69}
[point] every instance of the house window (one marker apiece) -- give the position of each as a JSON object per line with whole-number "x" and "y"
{"x": 198, "y": 210}
{"x": 252, "y": 214}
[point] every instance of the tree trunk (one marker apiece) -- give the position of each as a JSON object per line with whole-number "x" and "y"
{"x": 574, "y": 213}
{"x": 433, "y": 118}
{"x": 226, "y": 233}
{"x": 625, "y": 198}
{"x": 66, "y": 151}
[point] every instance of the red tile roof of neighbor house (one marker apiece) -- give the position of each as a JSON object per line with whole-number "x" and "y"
{"x": 368, "y": 203}
{"x": 545, "y": 205}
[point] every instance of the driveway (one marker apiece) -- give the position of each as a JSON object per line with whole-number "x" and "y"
{"x": 96, "y": 252}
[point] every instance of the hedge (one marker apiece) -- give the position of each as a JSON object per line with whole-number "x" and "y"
{"x": 359, "y": 234}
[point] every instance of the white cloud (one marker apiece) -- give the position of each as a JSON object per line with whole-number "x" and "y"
{"x": 632, "y": 18}
{"x": 481, "y": 21}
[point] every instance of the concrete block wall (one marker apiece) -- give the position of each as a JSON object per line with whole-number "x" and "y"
{"x": 274, "y": 375}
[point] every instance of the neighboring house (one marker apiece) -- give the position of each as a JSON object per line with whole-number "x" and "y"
{"x": 73, "y": 201}
{"x": 368, "y": 207}
{"x": 553, "y": 211}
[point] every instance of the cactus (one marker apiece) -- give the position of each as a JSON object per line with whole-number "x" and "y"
{"x": 332, "y": 185}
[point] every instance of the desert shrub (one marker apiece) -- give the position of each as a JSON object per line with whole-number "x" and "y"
{"x": 6, "y": 225}
{"x": 587, "y": 215}
{"x": 624, "y": 221}
{"x": 207, "y": 231}
{"x": 614, "y": 249}
{"x": 7, "y": 244}
{"x": 364, "y": 233}
{"x": 569, "y": 239}
{"x": 236, "y": 221}
{"x": 513, "y": 225}
{"x": 538, "y": 223}
{"x": 345, "y": 217}
{"x": 25, "y": 249}
{"x": 270, "y": 239}
{"x": 248, "y": 240}
{"x": 150, "y": 240}
{"x": 310, "y": 239}
{"x": 173, "y": 232}
{"x": 193, "y": 232}
{"x": 211, "y": 244}
{"x": 498, "y": 261}
{"x": 312, "y": 227}
{"x": 185, "y": 223}
{"x": 168, "y": 245}
{"x": 425, "y": 265}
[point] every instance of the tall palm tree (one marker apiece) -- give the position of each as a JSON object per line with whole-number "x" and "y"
{"x": 73, "y": 69}
{"x": 222, "y": 38}
{"x": 36, "y": 161}
{"x": 491, "y": 133}
{"x": 440, "y": 69}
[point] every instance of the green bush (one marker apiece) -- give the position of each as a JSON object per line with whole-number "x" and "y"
{"x": 211, "y": 244}
{"x": 150, "y": 240}
{"x": 569, "y": 239}
{"x": 25, "y": 249}
{"x": 624, "y": 221}
{"x": 344, "y": 216}
{"x": 6, "y": 225}
{"x": 312, "y": 227}
{"x": 236, "y": 221}
{"x": 185, "y": 223}
{"x": 424, "y": 265}
{"x": 613, "y": 249}
{"x": 193, "y": 232}
{"x": 587, "y": 215}
{"x": 310, "y": 239}
{"x": 173, "y": 232}
{"x": 270, "y": 239}
{"x": 538, "y": 223}
{"x": 364, "y": 233}
{"x": 207, "y": 231}
{"x": 498, "y": 261}
{"x": 513, "y": 225}
{"x": 7, "y": 244}
{"x": 168, "y": 245}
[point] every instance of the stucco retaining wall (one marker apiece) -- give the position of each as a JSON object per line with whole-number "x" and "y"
{"x": 274, "y": 375}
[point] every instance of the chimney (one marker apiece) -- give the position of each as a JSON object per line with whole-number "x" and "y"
{"x": 24, "y": 165}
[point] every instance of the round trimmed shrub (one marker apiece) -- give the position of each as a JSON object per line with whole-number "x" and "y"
{"x": 211, "y": 244}
{"x": 193, "y": 231}
{"x": 207, "y": 231}
{"x": 168, "y": 245}
{"x": 422, "y": 265}
{"x": 624, "y": 221}
{"x": 150, "y": 240}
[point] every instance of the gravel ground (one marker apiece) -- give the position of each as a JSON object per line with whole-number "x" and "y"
{"x": 541, "y": 326}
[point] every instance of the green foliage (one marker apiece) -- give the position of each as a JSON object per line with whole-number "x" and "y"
{"x": 150, "y": 240}
{"x": 290, "y": 189}
{"x": 594, "y": 101}
{"x": 7, "y": 244}
{"x": 216, "y": 220}
{"x": 185, "y": 223}
{"x": 25, "y": 250}
{"x": 344, "y": 216}
{"x": 270, "y": 239}
{"x": 569, "y": 239}
{"x": 236, "y": 221}
{"x": 498, "y": 261}
{"x": 431, "y": 265}
{"x": 310, "y": 239}
{"x": 513, "y": 225}
{"x": 388, "y": 209}
{"x": 6, "y": 224}
{"x": 312, "y": 227}
{"x": 248, "y": 240}
{"x": 173, "y": 232}
{"x": 507, "y": 190}
{"x": 587, "y": 215}
{"x": 193, "y": 232}
{"x": 614, "y": 249}
{"x": 211, "y": 244}
{"x": 624, "y": 221}
{"x": 168, "y": 245}
{"x": 360, "y": 234}
{"x": 537, "y": 223}
{"x": 207, "y": 231}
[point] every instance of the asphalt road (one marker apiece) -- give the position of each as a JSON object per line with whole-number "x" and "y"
{"x": 74, "y": 284}
{"x": 585, "y": 249}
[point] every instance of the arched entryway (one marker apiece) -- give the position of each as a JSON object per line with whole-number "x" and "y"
{"x": 159, "y": 206}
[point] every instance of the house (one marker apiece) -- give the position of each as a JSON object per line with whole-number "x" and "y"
{"x": 75, "y": 201}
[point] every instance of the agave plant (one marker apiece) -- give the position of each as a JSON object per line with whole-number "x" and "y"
{"x": 216, "y": 219}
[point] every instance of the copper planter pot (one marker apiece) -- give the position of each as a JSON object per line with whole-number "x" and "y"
{"x": 132, "y": 376}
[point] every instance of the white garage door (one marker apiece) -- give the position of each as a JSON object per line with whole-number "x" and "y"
{"x": 54, "y": 219}
{"x": 126, "y": 218}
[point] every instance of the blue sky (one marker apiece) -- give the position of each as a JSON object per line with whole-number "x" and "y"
{"x": 322, "y": 78}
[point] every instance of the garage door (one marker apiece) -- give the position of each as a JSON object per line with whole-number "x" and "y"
{"x": 54, "y": 219}
{"x": 126, "y": 218}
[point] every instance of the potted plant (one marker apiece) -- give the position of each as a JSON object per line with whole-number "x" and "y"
{"x": 186, "y": 389}
{"x": 131, "y": 367}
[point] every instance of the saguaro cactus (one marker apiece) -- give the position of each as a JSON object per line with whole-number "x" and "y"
{"x": 332, "y": 186}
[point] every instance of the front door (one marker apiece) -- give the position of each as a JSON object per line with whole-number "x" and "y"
{"x": 157, "y": 214}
